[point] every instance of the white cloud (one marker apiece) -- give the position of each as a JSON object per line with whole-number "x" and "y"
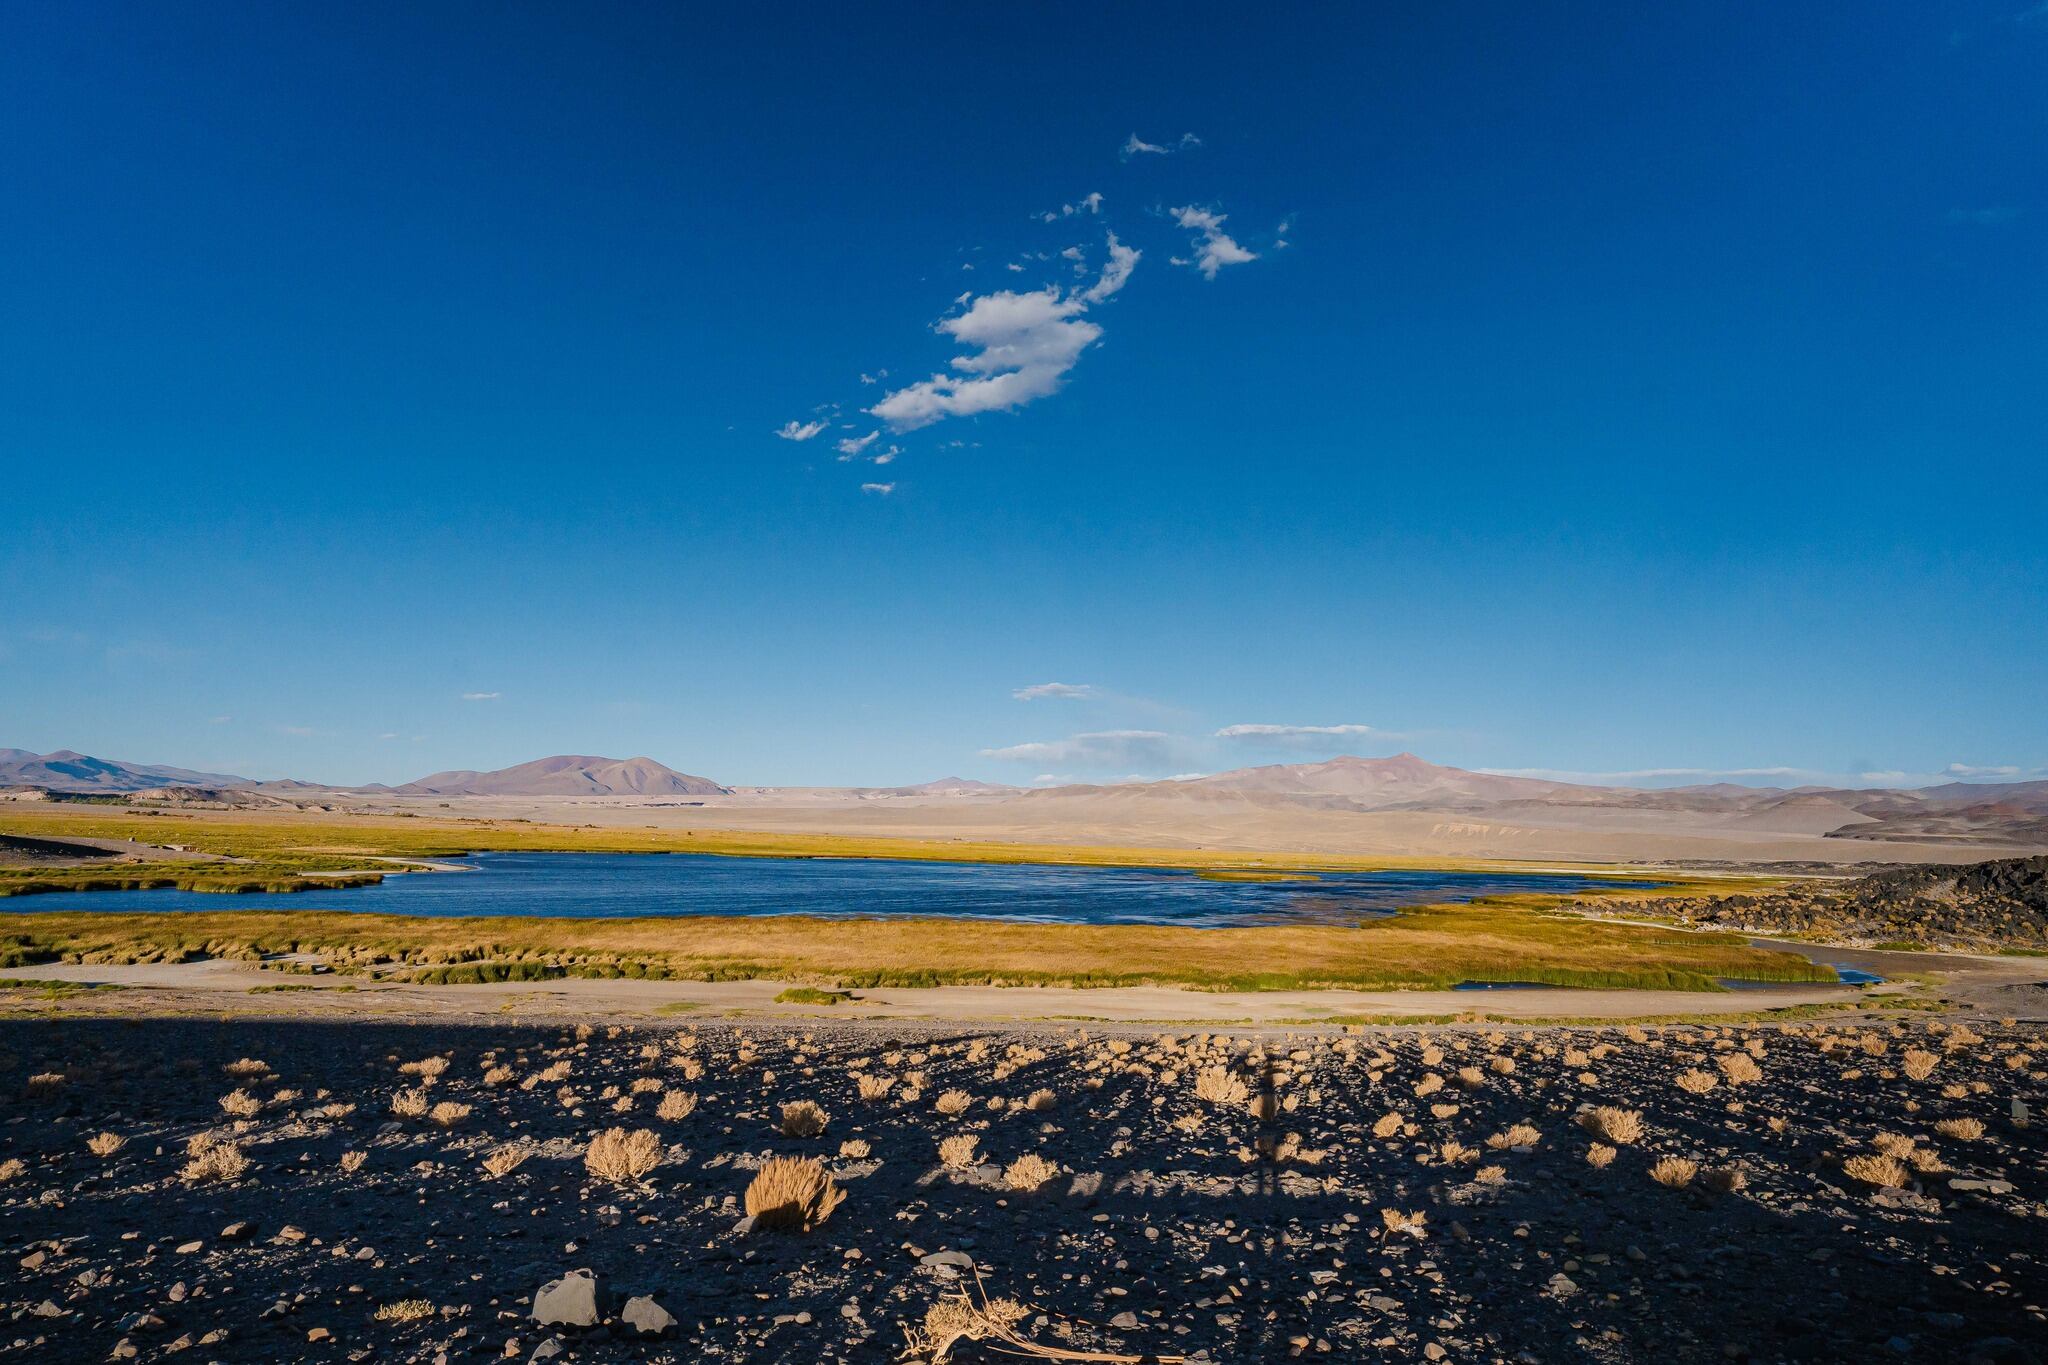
{"x": 1022, "y": 347}
{"x": 799, "y": 431}
{"x": 1287, "y": 732}
{"x": 1216, "y": 247}
{"x": 1966, "y": 770}
{"x": 1137, "y": 146}
{"x": 1065, "y": 691}
{"x": 1656, "y": 774}
{"x": 1120, "y": 749}
{"x": 481, "y": 696}
{"x": 1091, "y": 203}
{"x": 885, "y": 489}
{"x": 854, "y": 445}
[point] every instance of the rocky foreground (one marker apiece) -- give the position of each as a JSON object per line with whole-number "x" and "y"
{"x": 2002, "y": 903}
{"x": 288, "y": 1191}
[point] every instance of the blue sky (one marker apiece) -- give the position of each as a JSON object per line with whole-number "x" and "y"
{"x": 1603, "y": 388}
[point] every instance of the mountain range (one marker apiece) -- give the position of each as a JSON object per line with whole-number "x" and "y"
{"x": 1951, "y": 813}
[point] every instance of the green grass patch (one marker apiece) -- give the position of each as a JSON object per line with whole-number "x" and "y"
{"x": 811, "y": 995}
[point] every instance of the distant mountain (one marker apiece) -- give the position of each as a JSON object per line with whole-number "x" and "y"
{"x": 568, "y": 775}
{"x": 1380, "y": 783}
{"x": 69, "y": 771}
{"x": 949, "y": 786}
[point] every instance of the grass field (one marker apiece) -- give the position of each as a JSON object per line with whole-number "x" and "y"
{"x": 1508, "y": 938}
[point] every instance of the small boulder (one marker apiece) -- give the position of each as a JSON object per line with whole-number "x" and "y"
{"x": 644, "y": 1317}
{"x": 568, "y": 1302}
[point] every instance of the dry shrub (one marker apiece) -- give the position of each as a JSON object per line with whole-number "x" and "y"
{"x": 448, "y": 1113}
{"x": 1967, "y": 1130}
{"x": 803, "y": 1119}
{"x": 1740, "y": 1068}
{"x": 874, "y": 1087}
{"x": 1263, "y": 1107}
{"x": 1518, "y": 1135}
{"x": 498, "y": 1075}
{"x": 1428, "y": 1085}
{"x": 409, "y": 1104}
{"x": 792, "y": 1194}
{"x": 14, "y": 1168}
{"x": 1455, "y": 1153}
{"x": 1220, "y": 1085}
{"x": 240, "y": 1104}
{"x": 959, "y": 1318}
{"x": 1727, "y": 1179}
{"x": 351, "y": 1162}
{"x": 1502, "y": 1066}
{"x": 504, "y": 1160}
{"x": 1893, "y": 1145}
{"x": 1491, "y": 1175}
{"x": 1599, "y": 1156}
{"x": 1674, "y": 1172}
{"x": 676, "y": 1105}
{"x": 105, "y": 1144}
{"x": 427, "y": 1070}
{"x": 1028, "y": 1172}
{"x": 1041, "y": 1101}
{"x": 1471, "y": 1077}
{"x": 1387, "y": 1125}
{"x": 1918, "y": 1063}
{"x": 247, "y": 1068}
{"x": 405, "y": 1310}
{"x": 622, "y": 1157}
{"x": 213, "y": 1159}
{"x": 957, "y": 1151}
{"x": 1576, "y": 1059}
{"x": 1414, "y": 1224}
{"x": 1694, "y": 1081}
{"x": 1619, "y": 1126}
{"x": 1885, "y": 1171}
{"x": 953, "y": 1103}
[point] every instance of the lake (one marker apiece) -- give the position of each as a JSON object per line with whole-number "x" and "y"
{"x": 619, "y": 885}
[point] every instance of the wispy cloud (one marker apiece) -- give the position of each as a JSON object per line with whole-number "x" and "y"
{"x": 1293, "y": 732}
{"x": 297, "y": 731}
{"x": 481, "y": 696}
{"x": 885, "y": 489}
{"x": 1969, "y": 770}
{"x": 1090, "y": 203}
{"x": 1214, "y": 248}
{"x": 1119, "y": 749}
{"x": 799, "y": 431}
{"x": 854, "y": 445}
{"x": 1067, "y": 691}
{"x": 1023, "y": 345}
{"x": 1137, "y": 146}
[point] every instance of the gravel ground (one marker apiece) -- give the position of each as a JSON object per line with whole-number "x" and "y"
{"x": 1182, "y": 1220}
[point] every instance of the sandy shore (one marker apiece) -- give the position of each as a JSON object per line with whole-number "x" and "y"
{"x": 2012, "y": 987}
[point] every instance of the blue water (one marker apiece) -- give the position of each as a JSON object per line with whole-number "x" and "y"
{"x": 615, "y": 885}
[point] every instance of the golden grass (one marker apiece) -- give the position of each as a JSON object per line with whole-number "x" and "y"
{"x": 1028, "y": 1172}
{"x": 792, "y": 1194}
{"x": 623, "y": 1157}
{"x": 803, "y": 1119}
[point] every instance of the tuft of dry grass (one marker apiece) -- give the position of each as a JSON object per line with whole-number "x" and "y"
{"x": 803, "y": 1119}
{"x": 958, "y": 1151}
{"x": 1599, "y": 1156}
{"x": 1694, "y": 1081}
{"x": 213, "y": 1159}
{"x": 1220, "y": 1085}
{"x": 1888, "y": 1172}
{"x": 351, "y": 1162}
{"x": 1622, "y": 1127}
{"x": 1965, "y": 1130}
{"x": 1028, "y": 1172}
{"x": 1414, "y": 1224}
{"x": 874, "y": 1087}
{"x": 1517, "y": 1136}
{"x": 240, "y": 1104}
{"x": 405, "y": 1310}
{"x": 247, "y": 1069}
{"x": 1041, "y": 1101}
{"x": 1918, "y": 1063}
{"x": 13, "y": 1168}
{"x": 1740, "y": 1068}
{"x": 448, "y": 1113}
{"x": 498, "y": 1075}
{"x": 1387, "y": 1125}
{"x": 622, "y": 1157}
{"x": 409, "y": 1104}
{"x": 105, "y": 1144}
{"x": 502, "y": 1161}
{"x": 953, "y": 1103}
{"x": 1727, "y": 1180}
{"x": 792, "y": 1194}
{"x": 1674, "y": 1172}
{"x": 676, "y": 1105}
